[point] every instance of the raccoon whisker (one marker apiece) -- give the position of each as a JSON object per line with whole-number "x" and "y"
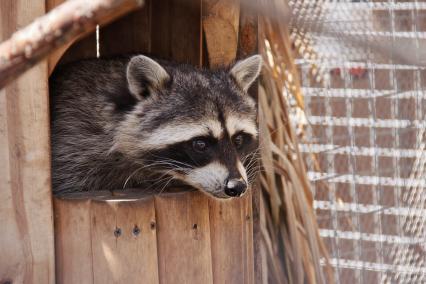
{"x": 171, "y": 160}
{"x": 253, "y": 164}
{"x": 254, "y": 170}
{"x": 172, "y": 164}
{"x": 164, "y": 163}
{"x": 130, "y": 176}
{"x": 179, "y": 166}
{"x": 143, "y": 167}
{"x": 252, "y": 161}
{"x": 164, "y": 187}
{"x": 162, "y": 178}
{"x": 181, "y": 163}
{"x": 136, "y": 171}
{"x": 251, "y": 155}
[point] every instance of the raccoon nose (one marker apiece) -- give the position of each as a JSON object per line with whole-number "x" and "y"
{"x": 235, "y": 187}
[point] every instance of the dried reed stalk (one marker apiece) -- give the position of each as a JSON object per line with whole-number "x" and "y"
{"x": 290, "y": 233}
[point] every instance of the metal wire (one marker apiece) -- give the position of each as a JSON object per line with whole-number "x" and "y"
{"x": 363, "y": 75}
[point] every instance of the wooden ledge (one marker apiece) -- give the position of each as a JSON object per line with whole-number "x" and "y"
{"x": 126, "y": 194}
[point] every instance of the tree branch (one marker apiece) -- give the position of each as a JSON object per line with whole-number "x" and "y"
{"x": 33, "y": 43}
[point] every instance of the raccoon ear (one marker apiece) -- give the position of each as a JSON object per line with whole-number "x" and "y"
{"x": 246, "y": 71}
{"x": 144, "y": 74}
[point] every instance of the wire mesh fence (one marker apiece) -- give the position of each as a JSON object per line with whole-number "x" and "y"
{"x": 364, "y": 82}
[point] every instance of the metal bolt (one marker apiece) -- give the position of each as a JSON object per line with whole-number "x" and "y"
{"x": 117, "y": 232}
{"x": 136, "y": 230}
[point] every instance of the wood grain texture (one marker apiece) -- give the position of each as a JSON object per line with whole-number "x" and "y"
{"x": 248, "y": 45}
{"x": 177, "y": 32}
{"x": 184, "y": 238}
{"x": 231, "y": 222}
{"x": 232, "y": 240}
{"x": 220, "y": 24}
{"x": 82, "y": 48}
{"x": 73, "y": 244}
{"x": 120, "y": 256}
{"x": 101, "y": 241}
{"x": 130, "y": 34}
{"x": 138, "y": 243}
{"x": 26, "y": 242}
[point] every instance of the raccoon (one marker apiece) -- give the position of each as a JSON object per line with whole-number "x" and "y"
{"x": 138, "y": 122}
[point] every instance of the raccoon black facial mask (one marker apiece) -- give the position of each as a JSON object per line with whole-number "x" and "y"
{"x": 136, "y": 121}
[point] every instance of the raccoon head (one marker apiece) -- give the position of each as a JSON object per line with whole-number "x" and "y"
{"x": 196, "y": 126}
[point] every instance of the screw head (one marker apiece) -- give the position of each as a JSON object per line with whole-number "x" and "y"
{"x": 117, "y": 232}
{"x": 136, "y": 231}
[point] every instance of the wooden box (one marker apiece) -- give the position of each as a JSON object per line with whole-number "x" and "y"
{"x": 181, "y": 237}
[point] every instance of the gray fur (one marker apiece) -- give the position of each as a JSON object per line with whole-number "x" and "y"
{"x": 247, "y": 70}
{"x": 101, "y": 116}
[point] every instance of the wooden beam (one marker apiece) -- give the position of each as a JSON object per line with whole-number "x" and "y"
{"x": 220, "y": 24}
{"x": 60, "y": 26}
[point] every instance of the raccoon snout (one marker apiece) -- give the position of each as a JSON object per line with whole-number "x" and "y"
{"x": 235, "y": 187}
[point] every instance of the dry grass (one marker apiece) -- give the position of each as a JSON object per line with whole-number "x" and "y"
{"x": 289, "y": 229}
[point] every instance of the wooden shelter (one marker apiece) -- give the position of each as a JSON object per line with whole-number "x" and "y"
{"x": 97, "y": 238}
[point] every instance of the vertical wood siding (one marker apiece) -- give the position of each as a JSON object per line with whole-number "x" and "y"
{"x": 26, "y": 218}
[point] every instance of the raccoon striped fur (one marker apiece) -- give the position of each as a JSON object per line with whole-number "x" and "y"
{"x": 138, "y": 122}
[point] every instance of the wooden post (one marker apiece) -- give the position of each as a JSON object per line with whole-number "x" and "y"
{"x": 26, "y": 218}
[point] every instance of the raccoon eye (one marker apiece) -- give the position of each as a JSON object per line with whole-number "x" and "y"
{"x": 199, "y": 145}
{"x": 238, "y": 140}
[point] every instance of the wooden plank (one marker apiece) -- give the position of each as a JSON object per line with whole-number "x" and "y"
{"x": 183, "y": 238}
{"x": 138, "y": 244}
{"x": 231, "y": 240}
{"x": 130, "y": 34}
{"x": 220, "y": 24}
{"x": 106, "y": 241}
{"x": 119, "y": 254}
{"x": 248, "y": 45}
{"x": 231, "y": 222}
{"x": 73, "y": 246}
{"x": 178, "y": 29}
{"x": 26, "y": 243}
